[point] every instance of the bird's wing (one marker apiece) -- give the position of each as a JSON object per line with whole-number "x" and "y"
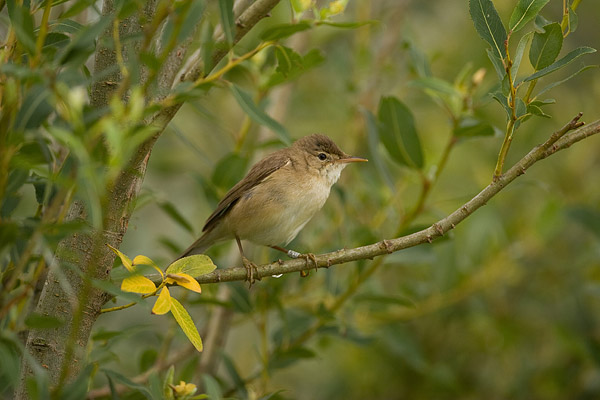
{"x": 258, "y": 173}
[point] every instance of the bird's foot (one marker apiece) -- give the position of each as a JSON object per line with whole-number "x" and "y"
{"x": 251, "y": 270}
{"x": 307, "y": 257}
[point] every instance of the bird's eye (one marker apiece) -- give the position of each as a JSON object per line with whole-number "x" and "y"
{"x": 322, "y": 156}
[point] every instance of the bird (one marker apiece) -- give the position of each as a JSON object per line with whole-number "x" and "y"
{"x": 276, "y": 198}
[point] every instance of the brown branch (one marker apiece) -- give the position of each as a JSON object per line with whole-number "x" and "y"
{"x": 558, "y": 141}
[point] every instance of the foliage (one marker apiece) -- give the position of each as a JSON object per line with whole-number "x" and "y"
{"x": 514, "y": 291}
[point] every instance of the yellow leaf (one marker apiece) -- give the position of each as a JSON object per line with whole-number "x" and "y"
{"x": 163, "y": 302}
{"x": 124, "y": 259}
{"x": 190, "y": 283}
{"x": 143, "y": 260}
{"x": 195, "y": 265}
{"x": 177, "y": 278}
{"x": 185, "y": 322}
{"x": 138, "y": 284}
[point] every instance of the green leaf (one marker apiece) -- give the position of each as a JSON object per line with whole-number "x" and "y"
{"x": 284, "y": 74}
{"x": 503, "y": 100}
{"x": 34, "y": 110}
{"x": 228, "y": 171}
{"x": 127, "y": 382}
{"x": 213, "y": 389}
{"x": 21, "y": 21}
{"x": 398, "y": 132}
{"x": 554, "y": 84}
{"x": 373, "y": 143}
{"x": 287, "y": 60}
{"x": 347, "y": 25}
{"x": 38, "y": 321}
{"x": 77, "y": 389}
{"x": 535, "y": 110}
{"x": 227, "y": 20}
{"x": 573, "y": 20}
{"x": 196, "y": 265}
{"x": 284, "y": 30}
{"x": 573, "y": 55}
{"x": 525, "y": 11}
{"x": 545, "y": 46}
{"x": 440, "y": 89}
{"x": 471, "y": 127}
{"x": 171, "y": 211}
{"x": 489, "y": 25}
{"x": 288, "y": 357}
{"x": 257, "y": 115}
{"x": 519, "y": 55}
{"x": 185, "y": 322}
{"x": 497, "y": 63}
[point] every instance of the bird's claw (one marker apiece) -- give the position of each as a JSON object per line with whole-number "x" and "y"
{"x": 311, "y": 257}
{"x": 251, "y": 270}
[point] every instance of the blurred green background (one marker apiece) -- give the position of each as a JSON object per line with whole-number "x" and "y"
{"x": 507, "y": 306}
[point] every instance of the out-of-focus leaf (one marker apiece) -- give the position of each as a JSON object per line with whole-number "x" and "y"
{"x": 127, "y": 382}
{"x": 284, "y": 30}
{"x": 22, "y": 23}
{"x": 35, "y": 109}
{"x": 65, "y": 26}
{"x": 227, "y": 20}
{"x": 373, "y": 142}
{"x": 471, "y": 127}
{"x": 38, "y": 321}
{"x": 440, "y": 89}
{"x": 287, "y": 60}
{"x": 170, "y": 209}
{"x": 555, "y": 84}
{"x": 282, "y": 359}
{"x": 234, "y": 375}
{"x": 587, "y": 217}
{"x": 138, "y": 284}
{"x": 418, "y": 61}
{"x": 545, "y": 46}
{"x": 347, "y": 25}
{"x": 147, "y": 359}
{"x": 185, "y": 322}
{"x": 489, "y": 25}
{"x": 284, "y": 74}
{"x": 163, "y": 302}
{"x": 525, "y": 11}
{"x": 77, "y": 389}
{"x": 213, "y": 389}
{"x": 192, "y": 16}
{"x": 257, "y": 115}
{"x": 573, "y": 55}
{"x": 398, "y": 132}
{"x": 228, "y": 171}
{"x": 195, "y": 266}
{"x": 83, "y": 43}
{"x": 573, "y": 20}
{"x": 240, "y": 299}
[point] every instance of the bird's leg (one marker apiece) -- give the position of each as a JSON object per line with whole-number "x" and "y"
{"x": 249, "y": 265}
{"x": 295, "y": 254}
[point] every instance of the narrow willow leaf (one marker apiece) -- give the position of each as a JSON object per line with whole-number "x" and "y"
{"x": 126, "y": 261}
{"x": 535, "y": 110}
{"x": 227, "y": 20}
{"x": 573, "y": 20}
{"x": 398, "y": 132}
{"x": 138, "y": 284}
{"x": 22, "y": 23}
{"x": 186, "y": 323}
{"x": 573, "y": 55}
{"x": 555, "y": 84}
{"x": 489, "y": 25}
{"x": 195, "y": 266}
{"x": 348, "y": 25}
{"x": 525, "y": 11}
{"x": 284, "y": 30}
{"x": 163, "y": 302}
{"x": 228, "y": 171}
{"x": 545, "y": 46}
{"x": 35, "y": 109}
{"x": 497, "y": 63}
{"x": 503, "y": 100}
{"x": 440, "y": 89}
{"x": 258, "y": 115}
{"x": 519, "y": 55}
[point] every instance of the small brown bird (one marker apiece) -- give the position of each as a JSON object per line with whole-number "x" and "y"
{"x": 277, "y": 197}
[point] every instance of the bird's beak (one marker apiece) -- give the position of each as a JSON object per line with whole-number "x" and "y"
{"x": 351, "y": 159}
